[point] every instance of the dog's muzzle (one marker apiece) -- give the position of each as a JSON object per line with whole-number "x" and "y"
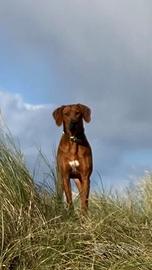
{"x": 73, "y": 125}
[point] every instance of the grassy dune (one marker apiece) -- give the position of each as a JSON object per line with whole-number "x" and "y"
{"x": 38, "y": 233}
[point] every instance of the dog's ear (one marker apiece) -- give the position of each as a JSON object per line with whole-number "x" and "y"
{"x": 86, "y": 112}
{"x": 58, "y": 116}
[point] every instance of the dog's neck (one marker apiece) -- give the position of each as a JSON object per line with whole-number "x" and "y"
{"x": 76, "y": 136}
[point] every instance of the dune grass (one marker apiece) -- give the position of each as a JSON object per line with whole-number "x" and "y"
{"x": 38, "y": 233}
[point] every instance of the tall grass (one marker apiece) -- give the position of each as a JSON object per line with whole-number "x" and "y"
{"x": 38, "y": 233}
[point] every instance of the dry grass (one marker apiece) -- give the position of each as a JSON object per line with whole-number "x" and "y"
{"x": 38, "y": 233}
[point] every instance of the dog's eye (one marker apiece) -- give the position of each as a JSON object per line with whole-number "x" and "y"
{"x": 66, "y": 113}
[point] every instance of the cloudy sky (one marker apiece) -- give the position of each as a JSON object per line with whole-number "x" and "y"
{"x": 97, "y": 53}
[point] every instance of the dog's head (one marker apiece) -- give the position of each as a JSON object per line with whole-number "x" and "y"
{"x": 71, "y": 116}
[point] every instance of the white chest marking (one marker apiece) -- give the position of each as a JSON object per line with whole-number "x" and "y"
{"x": 74, "y": 164}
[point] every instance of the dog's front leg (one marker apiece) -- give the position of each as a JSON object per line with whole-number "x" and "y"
{"x": 67, "y": 190}
{"x": 85, "y": 193}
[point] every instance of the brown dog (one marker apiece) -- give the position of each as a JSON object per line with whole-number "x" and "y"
{"x": 74, "y": 156}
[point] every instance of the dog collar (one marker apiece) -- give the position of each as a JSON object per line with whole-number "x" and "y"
{"x": 73, "y": 138}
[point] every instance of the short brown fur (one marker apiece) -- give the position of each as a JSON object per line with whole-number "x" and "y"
{"x": 74, "y": 147}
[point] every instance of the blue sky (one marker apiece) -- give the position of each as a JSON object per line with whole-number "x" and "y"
{"x": 92, "y": 52}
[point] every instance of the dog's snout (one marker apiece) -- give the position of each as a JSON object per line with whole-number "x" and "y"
{"x": 72, "y": 124}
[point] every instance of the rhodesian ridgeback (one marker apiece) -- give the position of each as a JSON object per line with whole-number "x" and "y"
{"x": 74, "y": 155}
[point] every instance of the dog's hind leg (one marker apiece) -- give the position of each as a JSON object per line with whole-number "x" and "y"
{"x": 78, "y": 184}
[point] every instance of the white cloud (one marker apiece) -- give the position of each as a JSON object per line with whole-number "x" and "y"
{"x": 30, "y": 124}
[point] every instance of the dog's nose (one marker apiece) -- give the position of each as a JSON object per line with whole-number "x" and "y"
{"x": 72, "y": 124}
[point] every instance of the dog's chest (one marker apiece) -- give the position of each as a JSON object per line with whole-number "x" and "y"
{"x": 74, "y": 165}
